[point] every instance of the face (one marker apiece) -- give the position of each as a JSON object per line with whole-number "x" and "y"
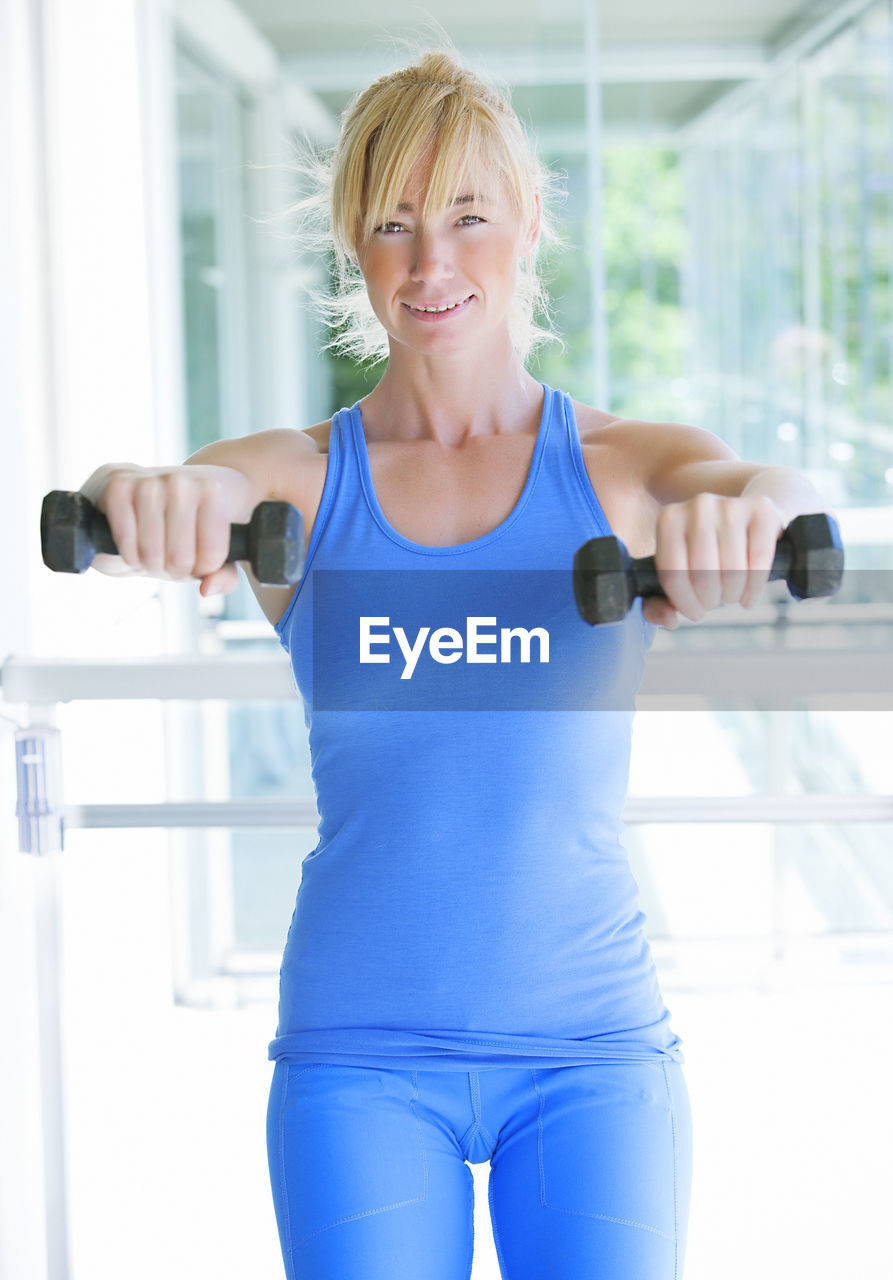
{"x": 441, "y": 282}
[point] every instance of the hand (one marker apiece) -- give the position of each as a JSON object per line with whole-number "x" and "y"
{"x": 712, "y": 550}
{"x": 168, "y": 523}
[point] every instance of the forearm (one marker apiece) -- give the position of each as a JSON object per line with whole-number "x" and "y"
{"x": 791, "y": 492}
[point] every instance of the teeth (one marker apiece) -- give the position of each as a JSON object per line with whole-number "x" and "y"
{"x": 448, "y": 307}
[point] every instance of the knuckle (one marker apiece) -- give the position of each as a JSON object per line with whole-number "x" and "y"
{"x": 703, "y": 504}
{"x": 176, "y": 486}
{"x": 179, "y": 562}
{"x": 117, "y": 490}
{"x": 182, "y": 486}
{"x": 149, "y": 492}
{"x": 209, "y": 489}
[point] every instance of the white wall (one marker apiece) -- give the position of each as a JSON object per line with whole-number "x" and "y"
{"x": 83, "y": 382}
{"x": 91, "y": 372}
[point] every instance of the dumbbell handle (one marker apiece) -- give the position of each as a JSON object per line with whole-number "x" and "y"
{"x": 73, "y": 531}
{"x": 100, "y": 535}
{"x": 808, "y": 556}
{"x": 647, "y": 583}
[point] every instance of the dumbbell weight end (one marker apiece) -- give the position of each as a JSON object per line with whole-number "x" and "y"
{"x": 808, "y": 557}
{"x": 73, "y": 532}
{"x": 272, "y": 542}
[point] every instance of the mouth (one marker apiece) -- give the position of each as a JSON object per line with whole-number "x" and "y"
{"x": 429, "y": 311}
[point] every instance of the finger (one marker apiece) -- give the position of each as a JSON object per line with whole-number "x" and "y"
{"x": 220, "y": 582}
{"x": 733, "y": 544}
{"x": 116, "y": 502}
{"x": 660, "y": 613}
{"x": 180, "y": 537}
{"x": 212, "y": 532}
{"x": 150, "y": 524}
{"x": 671, "y": 560}
{"x": 704, "y": 554}
{"x": 763, "y": 535}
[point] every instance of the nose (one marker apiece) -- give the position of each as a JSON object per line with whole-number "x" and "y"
{"x": 431, "y": 259}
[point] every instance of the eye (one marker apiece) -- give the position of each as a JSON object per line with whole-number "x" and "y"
{"x": 390, "y": 228}
{"x": 470, "y": 219}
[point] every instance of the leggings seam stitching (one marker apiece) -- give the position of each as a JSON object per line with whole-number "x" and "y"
{"x": 418, "y": 1125}
{"x": 469, "y": 1201}
{"x": 604, "y": 1217}
{"x": 400, "y": 1204}
{"x": 356, "y": 1217}
{"x": 539, "y": 1140}
{"x": 293, "y": 1245}
{"x": 675, "y": 1176}
{"x": 477, "y": 1126}
{"x": 288, "y": 1233}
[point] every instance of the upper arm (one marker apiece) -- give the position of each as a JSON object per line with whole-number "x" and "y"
{"x": 677, "y": 462}
{"x": 268, "y": 460}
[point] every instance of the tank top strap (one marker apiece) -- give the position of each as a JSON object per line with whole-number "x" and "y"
{"x": 565, "y": 484}
{"x": 343, "y": 496}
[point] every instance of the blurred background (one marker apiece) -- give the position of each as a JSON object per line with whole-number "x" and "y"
{"x": 729, "y": 178}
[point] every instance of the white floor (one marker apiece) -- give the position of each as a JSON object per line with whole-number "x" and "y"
{"x": 787, "y": 1063}
{"x": 793, "y": 1118}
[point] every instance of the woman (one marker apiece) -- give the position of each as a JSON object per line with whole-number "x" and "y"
{"x": 465, "y": 977}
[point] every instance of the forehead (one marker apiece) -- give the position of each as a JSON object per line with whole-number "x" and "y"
{"x": 469, "y": 183}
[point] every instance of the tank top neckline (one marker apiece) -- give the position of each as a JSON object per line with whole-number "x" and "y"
{"x": 355, "y": 418}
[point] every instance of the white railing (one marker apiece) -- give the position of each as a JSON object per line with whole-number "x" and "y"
{"x": 781, "y": 675}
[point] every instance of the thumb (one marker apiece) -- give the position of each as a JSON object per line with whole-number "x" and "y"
{"x": 660, "y": 612}
{"x": 220, "y": 582}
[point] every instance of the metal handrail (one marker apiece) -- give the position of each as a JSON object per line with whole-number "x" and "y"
{"x": 778, "y": 676}
{"x": 781, "y": 674}
{"x": 272, "y": 813}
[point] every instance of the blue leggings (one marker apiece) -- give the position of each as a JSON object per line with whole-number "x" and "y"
{"x": 590, "y": 1170}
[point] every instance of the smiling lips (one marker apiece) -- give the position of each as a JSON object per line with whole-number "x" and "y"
{"x": 437, "y": 310}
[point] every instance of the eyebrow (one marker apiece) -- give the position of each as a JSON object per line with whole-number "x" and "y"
{"x": 404, "y": 207}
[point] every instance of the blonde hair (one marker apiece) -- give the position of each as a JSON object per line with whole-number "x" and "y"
{"x": 433, "y": 112}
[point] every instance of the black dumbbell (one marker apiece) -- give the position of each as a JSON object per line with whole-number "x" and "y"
{"x": 73, "y": 531}
{"x": 808, "y": 556}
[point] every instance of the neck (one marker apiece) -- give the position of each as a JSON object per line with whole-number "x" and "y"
{"x": 449, "y": 398}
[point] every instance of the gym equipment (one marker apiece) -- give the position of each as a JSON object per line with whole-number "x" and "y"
{"x": 73, "y": 531}
{"x": 808, "y": 556}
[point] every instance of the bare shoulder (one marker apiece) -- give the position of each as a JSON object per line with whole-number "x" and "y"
{"x": 296, "y": 462}
{"x": 644, "y": 446}
{"x": 628, "y": 461}
{"x": 611, "y": 444}
{"x": 637, "y": 433}
{"x": 284, "y": 444}
{"x": 613, "y": 450}
{"x": 591, "y": 421}
{"x": 278, "y": 462}
{"x": 318, "y": 435}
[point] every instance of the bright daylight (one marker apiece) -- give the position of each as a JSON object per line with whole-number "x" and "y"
{"x": 446, "y": 755}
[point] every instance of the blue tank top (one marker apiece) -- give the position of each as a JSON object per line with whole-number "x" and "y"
{"x": 469, "y": 903}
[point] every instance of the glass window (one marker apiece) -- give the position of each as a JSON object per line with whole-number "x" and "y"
{"x": 747, "y": 290}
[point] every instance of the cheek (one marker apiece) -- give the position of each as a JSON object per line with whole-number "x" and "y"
{"x": 381, "y": 262}
{"x": 494, "y": 260}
